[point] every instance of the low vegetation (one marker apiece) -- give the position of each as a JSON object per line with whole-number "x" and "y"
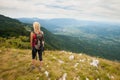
{"x": 58, "y": 65}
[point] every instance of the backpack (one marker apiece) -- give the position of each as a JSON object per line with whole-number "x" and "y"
{"x": 38, "y": 43}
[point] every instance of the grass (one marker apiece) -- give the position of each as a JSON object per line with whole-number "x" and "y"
{"x": 15, "y": 64}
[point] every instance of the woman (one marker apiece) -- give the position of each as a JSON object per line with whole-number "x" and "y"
{"x": 33, "y": 41}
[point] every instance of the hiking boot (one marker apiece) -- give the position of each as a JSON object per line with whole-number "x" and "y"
{"x": 40, "y": 68}
{"x": 32, "y": 67}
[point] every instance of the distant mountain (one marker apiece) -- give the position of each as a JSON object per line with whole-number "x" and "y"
{"x": 78, "y": 28}
{"x": 62, "y": 22}
{"x": 44, "y": 23}
{"x": 82, "y": 28}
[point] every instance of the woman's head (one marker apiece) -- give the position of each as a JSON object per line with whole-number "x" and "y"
{"x": 36, "y": 26}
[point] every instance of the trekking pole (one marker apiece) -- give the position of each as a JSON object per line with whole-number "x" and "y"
{"x": 36, "y": 56}
{"x": 43, "y": 52}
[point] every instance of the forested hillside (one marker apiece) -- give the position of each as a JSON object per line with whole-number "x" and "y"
{"x": 11, "y": 27}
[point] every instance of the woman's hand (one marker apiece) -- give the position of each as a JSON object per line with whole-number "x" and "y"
{"x": 43, "y": 43}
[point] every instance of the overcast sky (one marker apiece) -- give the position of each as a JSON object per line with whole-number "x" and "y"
{"x": 108, "y": 10}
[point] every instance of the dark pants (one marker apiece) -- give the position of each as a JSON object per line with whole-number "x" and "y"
{"x": 34, "y": 52}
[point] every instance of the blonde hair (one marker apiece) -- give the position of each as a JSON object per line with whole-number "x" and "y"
{"x": 36, "y": 27}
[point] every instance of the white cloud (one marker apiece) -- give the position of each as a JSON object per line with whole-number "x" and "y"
{"x": 79, "y": 9}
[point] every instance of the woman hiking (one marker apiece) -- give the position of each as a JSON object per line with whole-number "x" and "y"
{"x": 37, "y": 44}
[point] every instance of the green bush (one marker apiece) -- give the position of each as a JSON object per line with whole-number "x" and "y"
{"x": 13, "y": 42}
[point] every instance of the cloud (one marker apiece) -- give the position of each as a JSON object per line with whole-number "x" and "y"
{"x": 79, "y": 9}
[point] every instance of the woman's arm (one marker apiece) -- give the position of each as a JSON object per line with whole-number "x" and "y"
{"x": 31, "y": 38}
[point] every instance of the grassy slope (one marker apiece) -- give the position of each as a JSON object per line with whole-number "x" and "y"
{"x": 15, "y": 63}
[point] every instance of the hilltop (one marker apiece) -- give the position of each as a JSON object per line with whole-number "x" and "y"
{"x": 58, "y": 65}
